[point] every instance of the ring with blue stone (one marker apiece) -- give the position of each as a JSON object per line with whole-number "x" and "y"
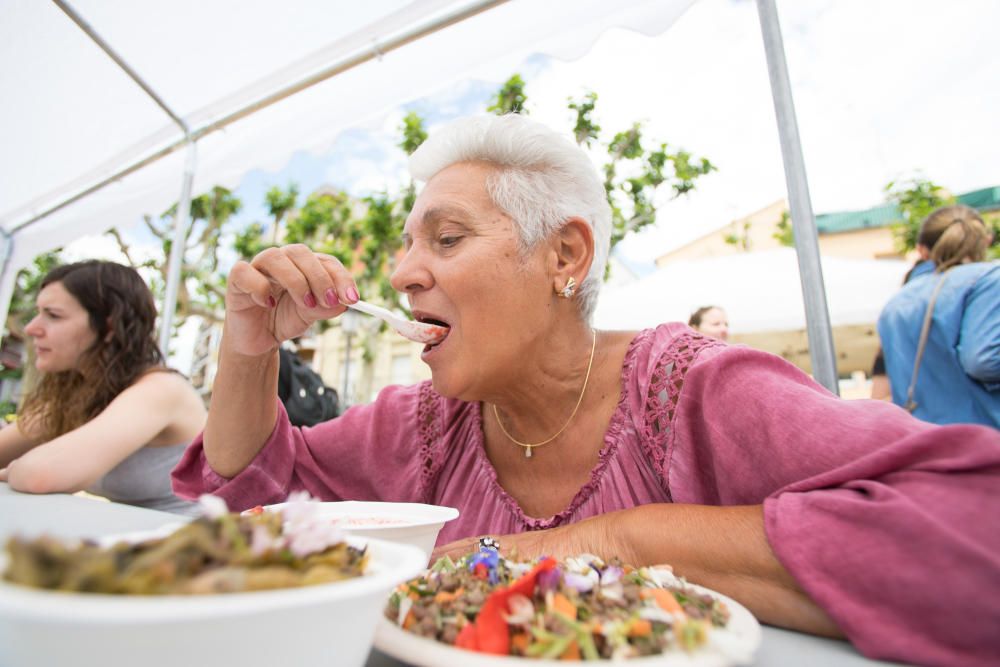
{"x": 489, "y": 543}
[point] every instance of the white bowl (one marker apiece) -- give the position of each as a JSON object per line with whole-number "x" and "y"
{"x": 327, "y": 624}
{"x": 406, "y": 523}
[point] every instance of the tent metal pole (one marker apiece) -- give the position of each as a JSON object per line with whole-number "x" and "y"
{"x": 125, "y": 67}
{"x": 821, "y": 350}
{"x": 182, "y": 219}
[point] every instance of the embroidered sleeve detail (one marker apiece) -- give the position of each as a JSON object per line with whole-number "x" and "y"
{"x": 665, "y": 385}
{"x": 429, "y": 434}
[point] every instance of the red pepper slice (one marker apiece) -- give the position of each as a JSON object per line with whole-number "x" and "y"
{"x": 489, "y": 633}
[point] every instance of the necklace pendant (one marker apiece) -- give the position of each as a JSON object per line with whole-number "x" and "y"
{"x": 527, "y": 452}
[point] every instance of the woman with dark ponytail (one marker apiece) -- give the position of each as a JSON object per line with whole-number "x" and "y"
{"x": 941, "y": 333}
{"x": 106, "y": 416}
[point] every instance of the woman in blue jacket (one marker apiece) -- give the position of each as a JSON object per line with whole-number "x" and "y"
{"x": 941, "y": 332}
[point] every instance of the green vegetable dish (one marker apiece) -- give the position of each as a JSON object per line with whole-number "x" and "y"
{"x": 578, "y": 609}
{"x": 217, "y": 553}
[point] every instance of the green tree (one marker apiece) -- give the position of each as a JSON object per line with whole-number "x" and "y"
{"x": 916, "y": 198}
{"x": 279, "y": 202}
{"x": 633, "y": 174}
{"x": 992, "y": 220}
{"x": 785, "y": 233}
{"x": 510, "y": 98}
{"x": 202, "y": 287}
{"x": 740, "y": 236}
{"x": 22, "y": 309}
{"x": 413, "y": 132}
{"x": 22, "y": 302}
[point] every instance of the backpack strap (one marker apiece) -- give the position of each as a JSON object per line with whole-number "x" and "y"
{"x": 925, "y": 330}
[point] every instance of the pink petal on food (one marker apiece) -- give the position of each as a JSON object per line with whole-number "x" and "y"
{"x": 211, "y": 506}
{"x": 262, "y": 541}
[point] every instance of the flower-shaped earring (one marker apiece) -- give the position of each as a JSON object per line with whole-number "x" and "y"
{"x": 570, "y": 289}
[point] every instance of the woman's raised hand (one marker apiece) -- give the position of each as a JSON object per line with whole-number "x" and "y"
{"x": 280, "y": 293}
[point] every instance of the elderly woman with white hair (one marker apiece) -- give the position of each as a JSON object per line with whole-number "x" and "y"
{"x": 661, "y": 446}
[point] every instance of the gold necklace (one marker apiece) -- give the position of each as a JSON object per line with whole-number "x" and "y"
{"x": 528, "y": 446}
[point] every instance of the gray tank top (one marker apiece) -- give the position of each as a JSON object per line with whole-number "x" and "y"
{"x": 143, "y": 479}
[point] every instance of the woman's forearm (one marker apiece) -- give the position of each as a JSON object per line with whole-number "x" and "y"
{"x": 36, "y": 473}
{"x": 13, "y": 444}
{"x": 242, "y": 413}
{"x": 725, "y": 549}
{"x": 722, "y": 548}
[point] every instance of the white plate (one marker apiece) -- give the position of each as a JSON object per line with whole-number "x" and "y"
{"x": 407, "y": 523}
{"x": 733, "y": 645}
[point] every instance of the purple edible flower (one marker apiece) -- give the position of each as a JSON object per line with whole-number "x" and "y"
{"x": 548, "y": 580}
{"x": 611, "y": 574}
{"x": 579, "y": 582}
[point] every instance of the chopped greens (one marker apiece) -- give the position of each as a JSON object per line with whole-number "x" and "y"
{"x": 578, "y": 609}
{"x": 217, "y": 553}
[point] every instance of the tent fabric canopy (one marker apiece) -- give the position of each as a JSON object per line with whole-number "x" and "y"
{"x": 759, "y": 291}
{"x": 79, "y": 118}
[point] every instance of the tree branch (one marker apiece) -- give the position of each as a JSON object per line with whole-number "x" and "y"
{"x": 205, "y": 313}
{"x": 153, "y": 228}
{"x": 122, "y": 246}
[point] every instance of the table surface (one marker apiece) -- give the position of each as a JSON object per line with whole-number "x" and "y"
{"x": 69, "y": 516}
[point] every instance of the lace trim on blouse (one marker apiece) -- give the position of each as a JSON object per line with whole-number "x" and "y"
{"x": 429, "y": 433}
{"x": 665, "y": 386}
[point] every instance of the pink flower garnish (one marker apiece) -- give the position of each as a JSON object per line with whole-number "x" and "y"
{"x": 262, "y": 541}
{"x": 211, "y": 506}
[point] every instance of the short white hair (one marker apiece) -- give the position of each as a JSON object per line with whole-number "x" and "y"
{"x": 541, "y": 180}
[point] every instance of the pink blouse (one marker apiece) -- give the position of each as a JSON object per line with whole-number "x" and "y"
{"x": 891, "y": 524}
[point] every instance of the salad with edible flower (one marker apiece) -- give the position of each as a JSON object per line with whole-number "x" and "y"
{"x": 219, "y": 552}
{"x": 581, "y": 608}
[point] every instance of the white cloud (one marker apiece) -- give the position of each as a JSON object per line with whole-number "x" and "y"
{"x": 93, "y": 247}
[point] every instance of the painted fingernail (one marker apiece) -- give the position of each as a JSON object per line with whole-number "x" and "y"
{"x": 310, "y": 300}
{"x": 271, "y": 302}
{"x": 352, "y": 294}
{"x": 331, "y": 297}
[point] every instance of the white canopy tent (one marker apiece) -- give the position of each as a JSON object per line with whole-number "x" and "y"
{"x": 758, "y": 290}
{"x": 116, "y": 108}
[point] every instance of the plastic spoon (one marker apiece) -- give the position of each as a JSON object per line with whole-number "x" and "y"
{"x": 419, "y": 332}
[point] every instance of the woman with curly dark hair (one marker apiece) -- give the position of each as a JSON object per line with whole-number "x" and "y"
{"x": 107, "y": 416}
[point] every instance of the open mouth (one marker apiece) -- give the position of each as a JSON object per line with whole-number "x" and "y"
{"x": 443, "y": 326}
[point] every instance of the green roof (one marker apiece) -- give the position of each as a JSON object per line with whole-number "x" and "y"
{"x": 849, "y": 221}
{"x": 985, "y": 199}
